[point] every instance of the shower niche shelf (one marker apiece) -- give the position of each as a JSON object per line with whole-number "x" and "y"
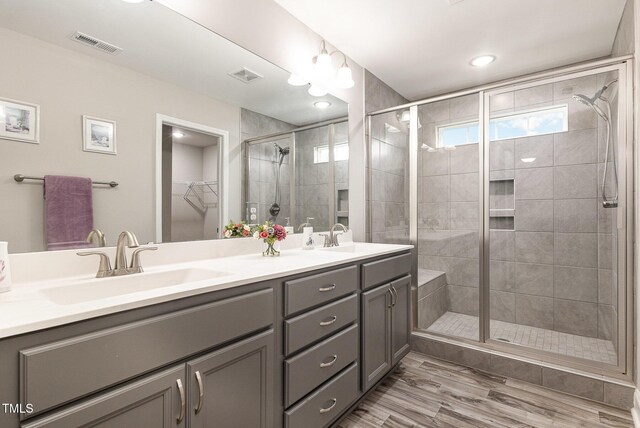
{"x": 501, "y": 203}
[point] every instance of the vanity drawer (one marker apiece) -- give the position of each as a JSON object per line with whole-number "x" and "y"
{"x": 62, "y": 371}
{"x": 327, "y": 403}
{"x": 306, "y": 371}
{"x": 314, "y": 290}
{"x": 383, "y": 271}
{"x": 313, "y": 325}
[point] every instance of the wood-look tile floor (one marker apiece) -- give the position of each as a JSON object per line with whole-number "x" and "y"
{"x": 426, "y": 392}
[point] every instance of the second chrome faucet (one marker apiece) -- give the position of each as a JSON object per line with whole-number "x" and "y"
{"x": 126, "y": 239}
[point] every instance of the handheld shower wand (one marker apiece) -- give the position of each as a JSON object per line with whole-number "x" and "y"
{"x": 591, "y": 102}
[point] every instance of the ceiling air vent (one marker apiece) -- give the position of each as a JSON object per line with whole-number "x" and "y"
{"x": 95, "y": 43}
{"x": 245, "y": 75}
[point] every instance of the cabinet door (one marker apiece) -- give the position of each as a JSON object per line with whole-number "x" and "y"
{"x": 376, "y": 335}
{"x": 154, "y": 401}
{"x": 233, "y": 387}
{"x": 400, "y": 319}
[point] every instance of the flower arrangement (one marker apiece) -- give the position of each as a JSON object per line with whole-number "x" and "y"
{"x": 270, "y": 234}
{"x": 237, "y": 230}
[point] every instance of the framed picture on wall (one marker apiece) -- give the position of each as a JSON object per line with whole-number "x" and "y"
{"x": 98, "y": 135}
{"x": 19, "y": 121}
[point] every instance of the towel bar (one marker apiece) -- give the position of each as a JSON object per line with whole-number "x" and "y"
{"x": 20, "y": 178}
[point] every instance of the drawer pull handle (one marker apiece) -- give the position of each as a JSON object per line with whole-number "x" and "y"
{"x": 331, "y": 321}
{"x": 334, "y": 358}
{"x": 394, "y": 294}
{"x": 183, "y": 402}
{"x": 328, "y": 409}
{"x": 391, "y": 294}
{"x": 329, "y": 288}
{"x": 200, "y": 391}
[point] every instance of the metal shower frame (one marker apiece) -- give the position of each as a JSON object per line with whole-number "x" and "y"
{"x": 623, "y": 65}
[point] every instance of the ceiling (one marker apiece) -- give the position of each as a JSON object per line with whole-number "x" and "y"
{"x": 423, "y": 47}
{"x": 165, "y": 45}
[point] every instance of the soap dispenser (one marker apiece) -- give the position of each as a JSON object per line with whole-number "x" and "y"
{"x": 288, "y": 228}
{"x": 307, "y": 235}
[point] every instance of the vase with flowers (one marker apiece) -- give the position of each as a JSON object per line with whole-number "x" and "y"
{"x": 237, "y": 230}
{"x": 270, "y": 235}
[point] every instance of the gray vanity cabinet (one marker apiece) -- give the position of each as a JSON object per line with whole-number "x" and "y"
{"x": 154, "y": 401}
{"x": 400, "y": 319}
{"x": 386, "y": 326}
{"x": 376, "y": 335}
{"x": 233, "y": 387}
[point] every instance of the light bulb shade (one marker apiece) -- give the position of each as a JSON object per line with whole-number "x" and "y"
{"x": 317, "y": 90}
{"x": 405, "y": 116}
{"x": 297, "y": 80}
{"x": 323, "y": 66}
{"x": 345, "y": 78}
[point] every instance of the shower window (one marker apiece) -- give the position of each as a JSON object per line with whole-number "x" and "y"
{"x": 321, "y": 153}
{"x": 548, "y": 120}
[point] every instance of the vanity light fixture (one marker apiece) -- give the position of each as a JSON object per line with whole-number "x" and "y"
{"x": 322, "y": 104}
{"x": 482, "y": 60}
{"x": 178, "y": 134}
{"x": 322, "y": 76}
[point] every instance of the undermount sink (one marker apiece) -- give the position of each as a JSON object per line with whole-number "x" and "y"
{"x": 101, "y": 288}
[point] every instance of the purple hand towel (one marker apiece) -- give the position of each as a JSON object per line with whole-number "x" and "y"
{"x": 68, "y": 211}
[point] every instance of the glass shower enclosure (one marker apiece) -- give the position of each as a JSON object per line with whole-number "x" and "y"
{"x": 299, "y": 174}
{"x": 517, "y": 198}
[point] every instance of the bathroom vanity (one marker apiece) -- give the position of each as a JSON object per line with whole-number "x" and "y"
{"x": 295, "y": 344}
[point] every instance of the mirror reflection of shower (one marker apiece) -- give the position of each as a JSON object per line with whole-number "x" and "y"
{"x": 274, "y": 209}
{"x": 607, "y": 201}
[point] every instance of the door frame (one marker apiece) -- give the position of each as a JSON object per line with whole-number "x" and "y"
{"x": 223, "y": 168}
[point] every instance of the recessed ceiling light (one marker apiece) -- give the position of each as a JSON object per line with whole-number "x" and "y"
{"x": 178, "y": 134}
{"x": 133, "y": 1}
{"x": 528, "y": 160}
{"x": 481, "y": 61}
{"x": 322, "y": 104}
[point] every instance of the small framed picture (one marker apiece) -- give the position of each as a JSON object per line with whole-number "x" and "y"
{"x": 19, "y": 121}
{"x": 98, "y": 135}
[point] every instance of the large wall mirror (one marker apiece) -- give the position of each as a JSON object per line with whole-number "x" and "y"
{"x": 179, "y": 129}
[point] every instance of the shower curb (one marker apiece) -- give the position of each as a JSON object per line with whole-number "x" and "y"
{"x": 614, "y": 393}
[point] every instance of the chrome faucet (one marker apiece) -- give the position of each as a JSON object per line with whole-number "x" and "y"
{"x": 97, "y": 236}
{"x": 331, "y": 240}
{"x": 125, "y": 239}
{"x": 121, "y": 254}
{"x": 305, "y": 224}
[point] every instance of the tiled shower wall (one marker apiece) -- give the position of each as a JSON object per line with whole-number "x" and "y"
{"x": 262, "y": 166}
{"x": 388, "y": 168}
{"x": 556, "y": 268}
{"x": 312, "y": 180}
{"x": 389, "y": 179}
{"x": 448, "y": 210}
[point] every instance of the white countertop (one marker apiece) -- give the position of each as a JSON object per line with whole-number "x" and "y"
{"x": 28, "y": 306}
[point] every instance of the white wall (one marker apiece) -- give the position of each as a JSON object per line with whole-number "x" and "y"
{"x": 268, "y": 30}
{"x": 68, "y": 85}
